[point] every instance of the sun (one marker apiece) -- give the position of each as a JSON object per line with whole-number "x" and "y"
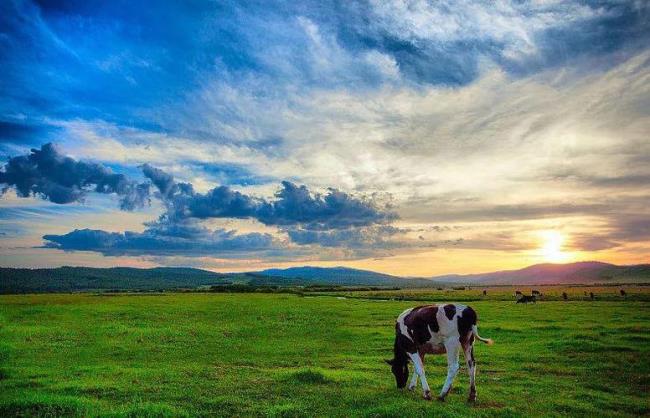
{"x": 551, "y": 249}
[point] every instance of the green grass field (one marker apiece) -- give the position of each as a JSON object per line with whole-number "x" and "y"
{"x": 576, "y": 293}
{"x": 285, "y": 355}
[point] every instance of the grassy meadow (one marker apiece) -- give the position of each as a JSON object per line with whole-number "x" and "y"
{"x": 283, "y": 355}
{"x": 575, "y": 293}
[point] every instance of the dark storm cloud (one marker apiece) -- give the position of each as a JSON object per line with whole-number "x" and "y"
{"x": 186, "y": 238}
{"x": 60, "y": 179}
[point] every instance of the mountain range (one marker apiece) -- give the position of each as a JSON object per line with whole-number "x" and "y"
{"x": 66, "y": 279}
{"x": 585, "y": 272}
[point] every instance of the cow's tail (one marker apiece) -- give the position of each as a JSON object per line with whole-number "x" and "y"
{"x": 487, "y": 341}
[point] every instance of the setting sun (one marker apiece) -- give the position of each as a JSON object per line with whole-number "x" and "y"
{"x": 551, "y": 249}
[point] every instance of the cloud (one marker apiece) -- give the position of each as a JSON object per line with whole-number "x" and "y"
{"x": 60, "y": 179}
{"x": 519, "y": 36}
{"x": 163, "y": 181}
{"x": 179, "y": 239}
{"x": 293, "y": 205}
{"x": 48, "y": 174}
{"x": 591, "y": 242}
{"x": 373, "y": 237}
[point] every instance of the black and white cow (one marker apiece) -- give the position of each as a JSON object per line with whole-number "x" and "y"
{"x": 433, "y": 329}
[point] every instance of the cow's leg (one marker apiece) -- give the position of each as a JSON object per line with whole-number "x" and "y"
{"x": 452, "y": 346}
{"x": 419, "y": 369}
{"x": 414, "y": 381}
{"x": 414, "y": 377}
{"x": 471, "y": 368}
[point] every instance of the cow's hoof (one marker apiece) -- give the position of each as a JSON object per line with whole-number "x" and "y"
{"x": 427, "y": 395}
{"x": 440, "y": 398}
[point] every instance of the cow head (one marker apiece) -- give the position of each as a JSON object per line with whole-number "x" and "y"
{"x": 400, "y": 370}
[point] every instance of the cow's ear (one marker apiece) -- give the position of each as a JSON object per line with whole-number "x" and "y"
{"x": 389, "y": 362}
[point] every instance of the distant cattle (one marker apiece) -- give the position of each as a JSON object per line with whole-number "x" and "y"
{"x": 526, "y": 299}
{"x": 592, "y": 296}
{"x": 435, "y": 329}
{"x": 565, "y": 296}
{"x": 623, "y": 293}
{"x": 485, "y": 292}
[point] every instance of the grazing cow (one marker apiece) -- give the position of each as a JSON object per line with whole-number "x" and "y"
{"x": 526, "y": 299}
{"x": 435, "y": 329}
{"x": 623, "y": 293}
{"x": 565, "y": 296}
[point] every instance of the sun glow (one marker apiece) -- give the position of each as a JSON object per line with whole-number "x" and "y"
{"x": 551, "y": 249}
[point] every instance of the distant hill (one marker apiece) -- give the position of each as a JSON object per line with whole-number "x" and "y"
{"x": 573, "y": 273}
{"x": 74, "y": 279}
{"x": 586, "y": 272}
{"x": 69, "y": 279}
{"x": 344, "y": 276}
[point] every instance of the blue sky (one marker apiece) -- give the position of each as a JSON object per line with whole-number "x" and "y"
{"x": 403, "y": 136}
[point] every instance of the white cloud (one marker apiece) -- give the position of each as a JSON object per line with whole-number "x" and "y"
{"x": 513, "y": 24}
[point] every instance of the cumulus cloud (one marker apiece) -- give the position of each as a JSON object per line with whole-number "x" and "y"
{"x": 49, "y": 174}
{"x": 293, "y": 205}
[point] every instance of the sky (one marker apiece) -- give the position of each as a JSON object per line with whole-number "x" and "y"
{"x": 409, "y": 137}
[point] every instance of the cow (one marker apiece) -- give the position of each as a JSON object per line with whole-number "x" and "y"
{"x": 535, "y": 292}
{"x": 526, "y": 299}
{"x": 565, "y": 296}
{"x": 484, "y": 292}
{"x": 592, "y": 296}
{"x": 518, "y": 293}
{"x": 433, "y": 329}
{"x": 623, "y": 293}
